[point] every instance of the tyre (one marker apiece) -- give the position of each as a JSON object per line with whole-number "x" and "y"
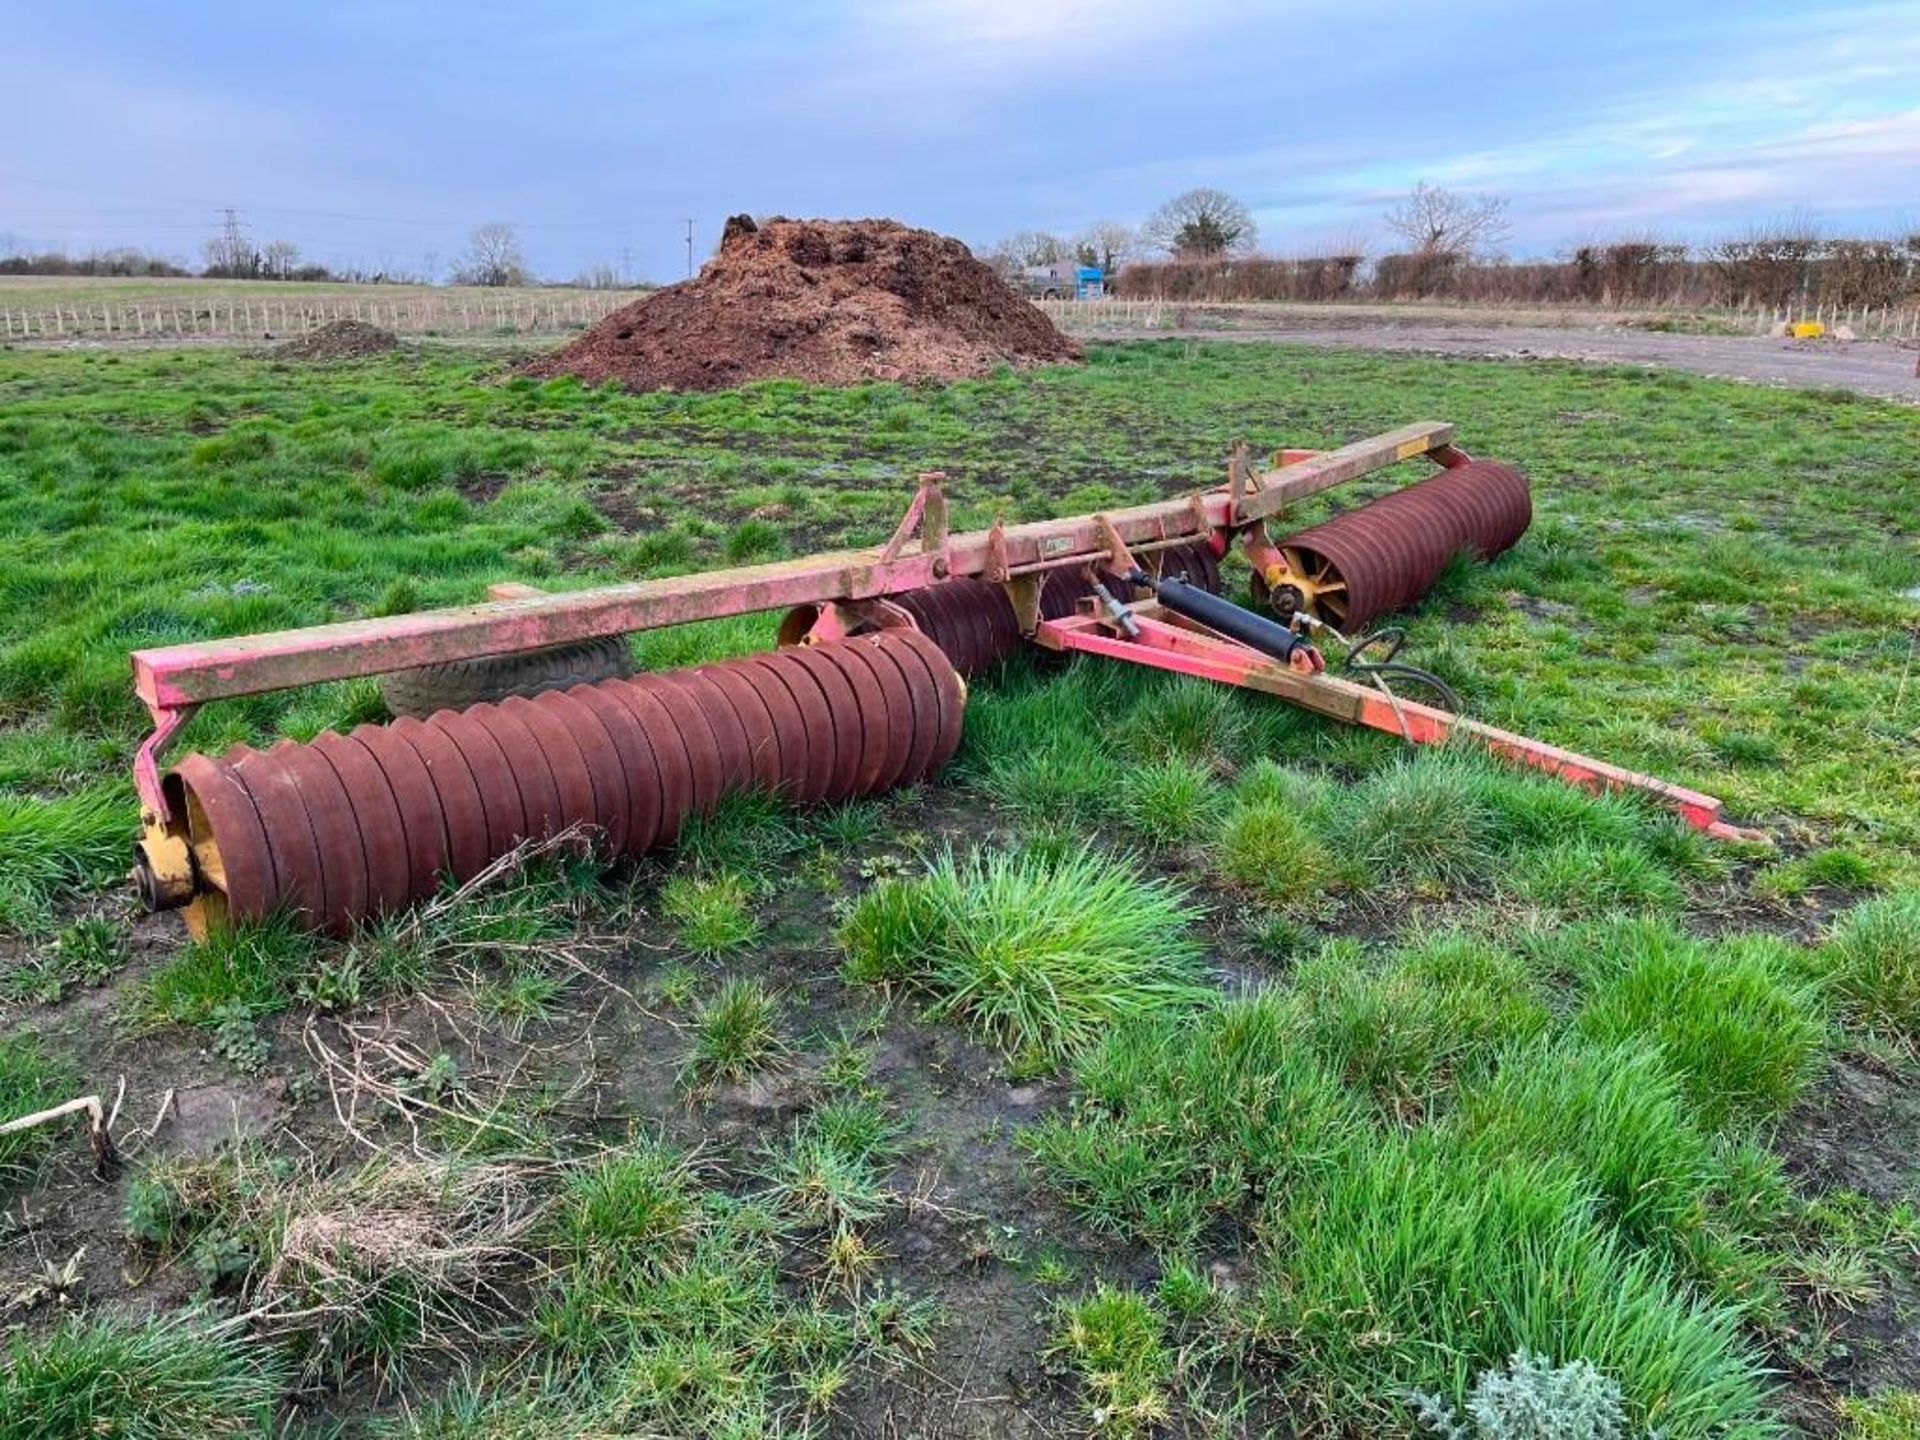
{"x": 460, "y": 683}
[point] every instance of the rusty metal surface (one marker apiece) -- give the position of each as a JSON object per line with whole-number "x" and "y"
{"x": 1383, "y": 556}
{"x": 222, "y": 806}
{"x": 844, "y": 725}
{"x": 376, "y": 819}
{"x": 492, "y": 775}
{"x": 973, "y": 620}
{"x": 296, "y": 858}
{"x": 453, "y": 786}
{"x": 421, "y": 816}
{"x": 789, "y": 692}
{"x": 349, "y": 827}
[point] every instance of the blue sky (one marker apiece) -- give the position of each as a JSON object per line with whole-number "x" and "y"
{"x": 381, "y": 131}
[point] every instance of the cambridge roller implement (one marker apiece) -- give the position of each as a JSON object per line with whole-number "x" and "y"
{"x": 865, "y": 692}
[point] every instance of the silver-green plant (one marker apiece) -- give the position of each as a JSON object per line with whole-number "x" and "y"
{"x": 1530, "y": 1398}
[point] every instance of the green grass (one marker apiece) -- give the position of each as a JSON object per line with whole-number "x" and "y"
{"x": 1418, "y": 1264}
{"x": 248, "y": 970}
{"x": 30, "y": 1080}
{"x": 1616, "y": 1115}
{"x": 1890, "y": 1415}
{"x": 1475, "y": 1112}
{"x": 1041, "y": 954}
{"x": 1409, "y": 1030}
{"x": 1112, "y": 1340}
{"x": 1421, "y": 821}
{"x": 175, "y": 1378}
{"x": 1871, "y": 962}
{"x": 711, "y": 914}
{"x": 736, "y": 1031}
{"x": 680, "y": 1324}
{"x": 1739, "y": 1027}
{"x": 52, "y": 850}
{"x": 829, "y": 1173}
{"x": 1183, "y": 1122}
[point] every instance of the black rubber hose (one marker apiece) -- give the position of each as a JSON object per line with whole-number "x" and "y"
{"x": 1388, "y": 641}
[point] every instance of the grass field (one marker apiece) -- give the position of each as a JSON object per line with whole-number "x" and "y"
{"x": 1178, "y": 1064}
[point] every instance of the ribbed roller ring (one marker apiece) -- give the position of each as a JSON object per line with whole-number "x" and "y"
{"x": 973, "y": 622}
{"x": 1384, "y": 555}
{"x": 350, "y": 827}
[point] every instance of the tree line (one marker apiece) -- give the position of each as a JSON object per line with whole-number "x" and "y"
{"x": 493, "y": 257}
{"x": 1203, "y": 245}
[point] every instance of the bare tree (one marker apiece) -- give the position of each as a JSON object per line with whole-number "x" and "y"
{"x": 600, "y": 275}
{"x": 1437, "y": 221}
{"x": 493, "y": 257}
{"x": 1027, "y": 248}
{"x": 1202, "y": 224}
{"x": 280, "y": 259}
{"x": 1108, "y": 244}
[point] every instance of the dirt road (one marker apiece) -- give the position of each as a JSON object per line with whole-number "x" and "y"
{"x": 1871, "y": 367}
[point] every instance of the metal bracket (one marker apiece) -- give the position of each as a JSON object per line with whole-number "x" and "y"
{"x": 1119, "y": 559}
{"x": 167, "y": 720}
{"x": 995, "y": 568}
{"x": 1024, "y": 593}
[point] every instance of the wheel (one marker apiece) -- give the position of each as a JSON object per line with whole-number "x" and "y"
{"x": 460, "y": 683}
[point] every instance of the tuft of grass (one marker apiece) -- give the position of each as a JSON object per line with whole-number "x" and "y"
{"x": 1407, "y": 1031}
{"x": 634, "y": 1200}
{"x": 1738, "y": 1027}
{"x": 1057, "y": 773}
{"x": 1267, "y": 782}
{"x": 1417, "y": 1264}
{"x": 1890, "y": 1415}
{"x": 711, "y": 914}
{"x": 1618, "y": 1116}
{"x": 890, "y": 931}
{"x": 830, "y": 1173}
{"x": 735, "y": 1032}
{"x": 30, "y": 1081}
{"x": 689, "y": 1329}
{"x": 1871, "y": 964}
{"x": 755, "y": 539}
{"x": 749, "y": 829}
{"x": 1588, "y": 879}
{"x": 183, "y": 1377}
{"x": 54, "y": 848}
{"x": 1182, "y": 1122}
{"x": 1172, "y": 802}
{"x": 1195, "y": 719}
{"x": 1040, "y": 952}
{"x": 1112, "y": 1339}
{"x": 1270, "y": 850}
{"x": 246, "y": 971}
{"x": 1422, "y": 820}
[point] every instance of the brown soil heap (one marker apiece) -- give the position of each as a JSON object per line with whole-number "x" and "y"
{"x": 833, "y": 302}
{"x": 337, "y": 340}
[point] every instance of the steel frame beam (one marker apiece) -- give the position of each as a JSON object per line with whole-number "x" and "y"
{"x": 1168, "y": 642}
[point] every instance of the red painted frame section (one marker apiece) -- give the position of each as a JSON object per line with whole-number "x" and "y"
{"x": 1168, "y": 643}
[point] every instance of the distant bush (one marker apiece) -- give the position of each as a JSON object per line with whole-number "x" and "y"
{"x": 120, "y": 261}
{"x": 1783, "y": 264}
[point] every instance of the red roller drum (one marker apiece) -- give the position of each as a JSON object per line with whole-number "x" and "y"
{"x": 349, "y": 827}
{"x": 1383, "y": 556}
